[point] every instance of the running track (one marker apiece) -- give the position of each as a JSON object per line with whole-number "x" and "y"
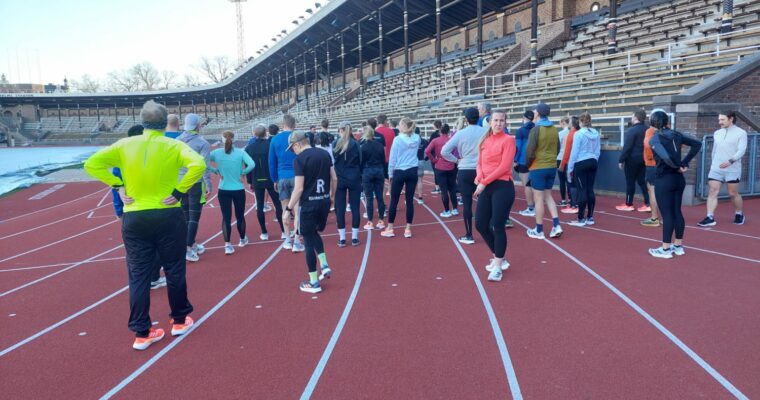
{"x": 590, "y": 315}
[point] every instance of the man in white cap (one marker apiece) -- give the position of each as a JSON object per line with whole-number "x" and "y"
{"x": 192, "y": 201}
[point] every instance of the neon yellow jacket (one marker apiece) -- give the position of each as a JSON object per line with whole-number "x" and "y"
{"x": 149, "y": 164}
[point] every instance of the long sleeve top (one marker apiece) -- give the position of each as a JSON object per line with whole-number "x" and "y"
{"x": 633, "y": 143}
{"x": 149, "y": 164}
{"x": 586, "y": 145}
{"x": 729, "y": 144}
{"x": 666, "y": 146}
{"x": 348, "y": 164}
{"x": 649, "y": 160}
{"x": 465, "y": 143}
{"x": 373, "y": 155}
{"x": 403, "y": 153}
{"x": 568, "y": 148}
{"x": 497, "y": 156}
{"x": 433, "y": 152}
{"x": 521, "y": 140}
{"x": 259, "y": 152}
{"x": 231, "y": 166}
{"x": 280, "y": 159}
{"x": 200, "y": 145}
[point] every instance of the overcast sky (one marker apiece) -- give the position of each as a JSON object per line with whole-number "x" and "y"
{"x": 76, "y": 37}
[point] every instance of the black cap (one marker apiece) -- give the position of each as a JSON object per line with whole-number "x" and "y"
{"x": 471, "y": 114}
{"x": 543, "y": 109}
{"x": 529, "y": 115}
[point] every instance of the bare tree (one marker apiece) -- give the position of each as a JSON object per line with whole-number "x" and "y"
{"x": 146, "y": 75}
{"x": 122, "y": 81}
{"x": 86, "y": 84}
{"x": 191, "y": 80}
{"x": 217, "y": 69}
{"x": 168, "y": 79}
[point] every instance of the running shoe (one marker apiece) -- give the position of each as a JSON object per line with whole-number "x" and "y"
{"x": 659, "y": 252}
{"x": 365, "y": 216}
{"x": 326, "y": 273}
{"x": 267, "y": 207}
{"x": 454, "y": 212}
{"x": 590, "y": 221}
{"x": 332, "y": 209}
{"x": 387, "y": 233}
{"x": 556, "y": 232}
{"x": 355, "y": 242}
{"x": 420, "y": 201}
{"x": 199, "y": 248}
{"x": 534, "y": 234}
{"x": 369, "y": 226}
{"x": 228, "y": 249}
{"x": 243, "y": 241}
{"x": 653, "y": 222}
{"x": 644, "y": 208}
{"x": 708, "y": 221}
{"x": 445, "y": 214}
{"x": 292, "y": 234}
{"x": 283, "y": 236}
{"x": 528, "y": 212}
{"x": 435, "y": 191}
{"x": 495, "y": 275}
{"x": 739, "y": 219}
{"x": 460, "y": 201}
{"x": 509, "y": 224}
{"x": 154, "y": 335}
{"x": 677, "y": 250}
{"x": 264, "y": 236}
{"x": 161, "y": 282}
{"x": 504, "y": 265}
{"x": 564, "y": 203}
{"x": 191, "y": 256}
{"x": 380, "y": 225}
{"x": 287, "y": 244}
{"x": 298, "y": 247}
{"x": 181, "y": 329}
{"x": 348, "y": 208}
{"x": 569, "y": 210}
{"x": 624, "y": 207}
{"x": 407, "y": 233}
{"x": 577, "y": 222}
{"x": 388, "y": 194}
{"x": 342, "y": 243}
{"x": 466, "y": 239}
{"x": 310, "y": 287}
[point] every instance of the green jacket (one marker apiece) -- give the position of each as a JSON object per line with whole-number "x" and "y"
{"x": 149, "y": 164}
{"x": 543, "y": 147}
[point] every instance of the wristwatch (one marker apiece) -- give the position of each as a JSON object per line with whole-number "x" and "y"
{"x": 288, "y": 209}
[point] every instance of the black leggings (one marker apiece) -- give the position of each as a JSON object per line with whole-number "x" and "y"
{"x": 409, "y": 178}
{"x": 259, "y": 192}
{"x": 668, "y": 191}
{"x": 492, "y": 213}
{"x": 635, "y": 172}
{"x": 447, "y": 180}
{"x": 192, "y": 207}
{"x": 372, "y": 181}
{"x": 563, "y": 187}
{"x": 466, "y": 181}
{"x": 314, "y": 246}
{"x": 585, "y": 175}
{"x": 354, "y": 191}
{"x": 226, "y": 199}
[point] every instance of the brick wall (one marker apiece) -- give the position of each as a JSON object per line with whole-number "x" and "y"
{"x": 745, "y": 92}
{"x": 584, "y": 6}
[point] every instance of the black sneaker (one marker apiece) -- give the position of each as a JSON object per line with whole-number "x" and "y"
{"x": 341, "y": 243}
{"x": 354, "y": 242}
{"x": 708, "y": 221}
{"x": 466, "y": 240}
{"x": 739, "y": 219}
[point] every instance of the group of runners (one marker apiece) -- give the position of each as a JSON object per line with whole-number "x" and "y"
{"x": 161, "y": 183}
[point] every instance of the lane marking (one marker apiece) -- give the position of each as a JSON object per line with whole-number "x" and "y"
{"x": 673, "y": 338}
{"x": 51, "y": 223}
{"x": 59, "y": 265}
{"x": 47, "y": 192}
{"x": 312, "y": 384}
{"x": 501, "y": 343}
{"x": 51, "y": 207}
{"x": 687, "y": 226}
{"x": 116, "y": 389}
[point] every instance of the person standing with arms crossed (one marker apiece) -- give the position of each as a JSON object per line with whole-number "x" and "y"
{"x": 153, "y": 221}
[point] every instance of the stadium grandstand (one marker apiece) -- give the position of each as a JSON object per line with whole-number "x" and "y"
{"x": 429, "y": 59}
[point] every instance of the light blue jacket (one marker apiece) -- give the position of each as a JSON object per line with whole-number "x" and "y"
{"x": 586, "y": 145}
{"x": 230, "y": 167}
{"x": 403, "y": 153}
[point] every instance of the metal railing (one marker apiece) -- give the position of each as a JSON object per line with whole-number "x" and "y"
{"x": 750, "y": 180}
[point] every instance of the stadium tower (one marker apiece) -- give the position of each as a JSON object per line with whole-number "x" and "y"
{"x": 240, "y": 33}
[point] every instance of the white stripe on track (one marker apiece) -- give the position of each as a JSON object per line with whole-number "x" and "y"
{"x": 51, "y": 207}
{"x": 116, "y": 389}
{"x": 57, "y": 242}
{"x": 687, "y": 226}
{"x": 58, "y": 265}
{"x": 509, "y": 369}
{"x": 53, "y": 223}
{"x": 673, "y": 338}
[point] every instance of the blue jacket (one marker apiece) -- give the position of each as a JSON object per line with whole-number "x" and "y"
{"x": 118, "y": 205}
{"x": 280, "y": 159}
{"x": 521, "y": 140}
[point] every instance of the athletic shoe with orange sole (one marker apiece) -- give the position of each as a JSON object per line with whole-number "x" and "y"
{"x": 407, "y": 233}
{"x": 624, "y": 207}
{"x": 181, "y": 329}
{"x": 569, "y": 210}
{"x": 369, "y": 226}
{"x": 380, "y": 225}
{"x": 644, "y": 208}
{"x": 154, "y": 335}
{"x": 388, "y": 233}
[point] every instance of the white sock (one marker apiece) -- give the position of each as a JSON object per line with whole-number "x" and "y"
{"x": 354, "y": 233}
{"x": 342, "y": 234}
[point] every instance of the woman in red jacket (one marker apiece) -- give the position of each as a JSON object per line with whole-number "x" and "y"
{"x": 445, "y": 170}
{"x": 495, "y": 191}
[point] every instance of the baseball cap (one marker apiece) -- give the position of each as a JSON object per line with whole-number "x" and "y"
{"x": 192, "y": 121}
{"x": 471, "y": 113}
{"x": 543, "y": 109}
{"x": 296, "y": 137}
{"x": 529, "y": 115}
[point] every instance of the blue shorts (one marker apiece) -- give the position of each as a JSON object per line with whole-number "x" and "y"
{"x": 285, "y": 188}
{"x": 542, "y": 179}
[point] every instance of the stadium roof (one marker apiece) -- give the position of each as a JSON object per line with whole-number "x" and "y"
{"x": 323, "y": 31}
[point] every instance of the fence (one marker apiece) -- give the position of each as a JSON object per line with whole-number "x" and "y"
{"x": 750, "y": 181}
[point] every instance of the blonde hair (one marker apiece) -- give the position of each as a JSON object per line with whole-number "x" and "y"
{"x": 345, "y": 131}
{"x": 490, "y": 129}
{"x": 407, "y": 123}
{"x": 585, "y": 120}
{"x": 368, "y": 133}
{"x": 459, "y": 125}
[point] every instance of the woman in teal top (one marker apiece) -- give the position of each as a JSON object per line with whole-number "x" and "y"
{"x": 231, "y": 163}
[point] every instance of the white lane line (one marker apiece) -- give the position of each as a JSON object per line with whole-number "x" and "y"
{"x": 501, "y": 343}
{"x": 195, "y": 326}
{"x": 51, "y": 207}
{"x": 41, "y": 195}
{"x": 673, "y": 338}
{"x": 687, "y": 226}
{"x": 51, "y": 223}
{"x": 59, "y": 265}
{"x": 57, "y": 242}
{"x": 312, "y": 384}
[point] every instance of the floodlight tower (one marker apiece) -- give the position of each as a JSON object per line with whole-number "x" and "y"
{"x": 240, "y": 34}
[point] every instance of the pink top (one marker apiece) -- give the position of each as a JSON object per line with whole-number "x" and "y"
{"x": 439, "y": 162}
{"x": 497, "y": 154}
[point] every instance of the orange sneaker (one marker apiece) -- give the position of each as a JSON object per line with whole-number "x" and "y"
{"x": 154, "y": 335}
{"x": 387, "y": 233}
{"x": 181, "y": 329}
{"x": 624, "y": 207}
{"x": 369, "y": 226}
{"x": 380, "y": 224}
{"x": 569, "y": 210}
{"x": 644, "y": 208}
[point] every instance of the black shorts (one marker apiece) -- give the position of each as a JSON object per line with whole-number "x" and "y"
{"x": 651, "y": 174}
{"x": 313, "y": 216}
{"x": 521, "y": 169}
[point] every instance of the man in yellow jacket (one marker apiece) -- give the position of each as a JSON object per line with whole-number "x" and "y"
{"x": 153, "y": 221}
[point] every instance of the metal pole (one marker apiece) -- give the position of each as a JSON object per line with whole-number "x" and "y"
{"x": 612, "y": 28}
{"x": 438, "y": 31}
{"x": 361, "y": 68}
{"x": 533, "y": 35}
{"x": 343, "y": 64}
{"x": 305, "y": 87}
{"x": 406, "y": 43}
{"x": 380, "y": 43}
{"x": 726, "y": 24}
{"x": 329, "y": 74}
{"x": 479, "y": 6}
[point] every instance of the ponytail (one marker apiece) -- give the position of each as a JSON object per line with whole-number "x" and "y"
{"x": 228, "y": 136}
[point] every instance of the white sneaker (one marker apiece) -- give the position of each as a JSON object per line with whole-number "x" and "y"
{"x": 454, "y": 212}
{"x": 659, "y": 252}
{"x": 365, "y": 216}
{"x": 287, "y": 244}
{"x": 528, "y": 212}
{"x": 504, "y": 265}
{"x": 267, "y": 207}
{"x": 161, "y": 282}
{"x": 577, "y": 222}
{"x": 298, "y": 247}
{"x": 556, "y": 232}
{"x": 533, "y": 233}
{"x": 446, "y": 214}
{"x": 495, "y": 275}
{"x": 228, "y": 249}
{"x": 348, "y": 208}
{"x": 283, "y": 236}
{"x": 589, "y": 221}
{"x": 191, "y": 256}
{"x": 199, "y": 248}
{"x": 243, "y": 241}
{"x": 420, "y": 201}
{"x": 677, "y": 250}
{"x": 264, "y": 236}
